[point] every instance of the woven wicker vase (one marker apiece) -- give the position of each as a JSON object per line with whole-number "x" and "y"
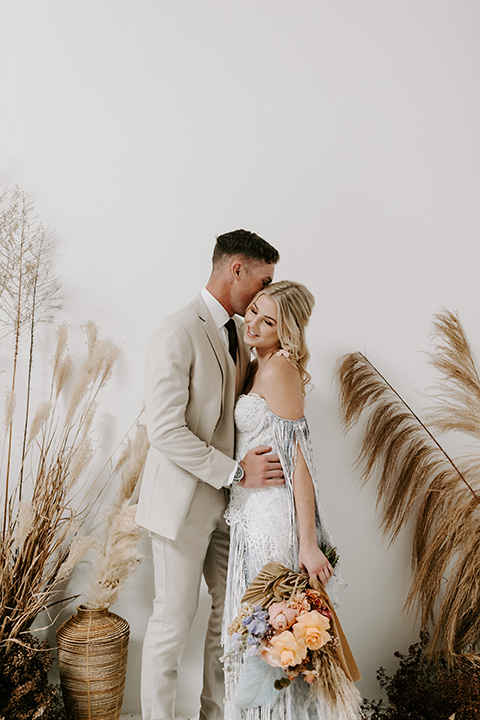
{"x": 92, "y": 659}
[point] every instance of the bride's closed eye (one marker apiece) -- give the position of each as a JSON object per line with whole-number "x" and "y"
{"x": 255, "y": 312}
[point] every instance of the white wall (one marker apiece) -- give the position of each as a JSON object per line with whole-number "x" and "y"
{"x": 344, "y": 133}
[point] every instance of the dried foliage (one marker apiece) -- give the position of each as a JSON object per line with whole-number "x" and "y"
{"x": 458, "y": 401}
{"x": 426, "y": 689}
{"x": 46, "y": 491}
{"x": 38, "y": 537}
{"x": 416, "y": 476}
{"x": 25, "y": 692}
{"x": 28, "y": 294}
{"x": 116, "y": 554}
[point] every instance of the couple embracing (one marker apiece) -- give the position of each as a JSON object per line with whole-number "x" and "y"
{"x": 229, "y": 446}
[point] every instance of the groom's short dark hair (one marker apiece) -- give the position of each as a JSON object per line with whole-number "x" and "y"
{"x": 246, "y": 243}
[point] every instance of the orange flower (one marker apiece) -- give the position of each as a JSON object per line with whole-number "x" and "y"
{"x": 281, "y": 616}
{"x": 285, "y": 650}
{"x": 311, "y": 627}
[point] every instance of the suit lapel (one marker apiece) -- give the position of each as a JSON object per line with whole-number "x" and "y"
{"x": 224, "y": 360}
{"x": 242, "y": 363}
{"x": 212, "y": 333}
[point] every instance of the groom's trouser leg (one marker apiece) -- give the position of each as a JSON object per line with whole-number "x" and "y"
{"x": 178, "y": 567}
{"x": 215, "y": 573}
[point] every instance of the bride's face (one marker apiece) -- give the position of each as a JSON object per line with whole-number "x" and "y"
{"x": 261, "y": 324}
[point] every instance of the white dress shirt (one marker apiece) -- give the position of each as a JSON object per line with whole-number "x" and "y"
{"x": 219, "y": 315}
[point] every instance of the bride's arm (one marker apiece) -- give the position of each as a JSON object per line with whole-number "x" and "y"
{"x": 282, "y": 389}
{"x": 310, "y": 557}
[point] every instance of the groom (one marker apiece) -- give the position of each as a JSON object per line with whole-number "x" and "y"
{"x": 196, "y": 368}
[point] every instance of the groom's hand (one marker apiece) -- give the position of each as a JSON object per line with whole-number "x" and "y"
{"x": 262, "y": 469}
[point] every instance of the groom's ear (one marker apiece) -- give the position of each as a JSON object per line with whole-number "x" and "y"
{"x": 236, "y": 267}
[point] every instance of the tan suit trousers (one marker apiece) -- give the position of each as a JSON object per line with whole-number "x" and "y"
{"x": 201, "y": 548}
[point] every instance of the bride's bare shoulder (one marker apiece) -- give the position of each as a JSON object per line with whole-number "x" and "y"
{"x": 282, "y": 388}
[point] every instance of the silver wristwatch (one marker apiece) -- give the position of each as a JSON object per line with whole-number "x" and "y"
{"x": 239, "y": 474}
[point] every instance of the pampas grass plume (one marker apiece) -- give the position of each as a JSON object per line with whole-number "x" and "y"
{"x": 78, "y": 393}
{"x": 63, "y": 372}
{"x": 131, "y": 462}
{"x": 110, "y": 355}
{"x": 41, "y": 416}
{"x": 78, "y": 549}
{"x": 118, "y": 560}
{"x": 89, "y": 417}
{"x": 91, "y": 331}
{"x": 10, "y": 402}
{"x": 135, "y": 462}
{"x": 25, "y": 522}
{"x": 62, "y": 337}
{"x": 81, "y": 459}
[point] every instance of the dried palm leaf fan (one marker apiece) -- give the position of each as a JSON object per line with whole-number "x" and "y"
{"x": 416, "y": 476}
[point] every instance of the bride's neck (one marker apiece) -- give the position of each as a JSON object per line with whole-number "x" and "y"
{"x": 264, "y": 354}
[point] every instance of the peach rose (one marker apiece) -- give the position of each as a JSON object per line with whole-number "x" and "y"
{"x": 311, "y": 627}
{"x": 281, "y": 616}
{"x": 269, "y": 657}
{"x": 285, "y": 650}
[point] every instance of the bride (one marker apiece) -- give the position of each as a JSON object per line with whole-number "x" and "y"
{"x": 285, "y": 523}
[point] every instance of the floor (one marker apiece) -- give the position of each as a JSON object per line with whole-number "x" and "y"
{"x": 132, "y": 716}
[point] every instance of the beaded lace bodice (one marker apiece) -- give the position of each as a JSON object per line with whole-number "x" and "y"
{"x": 252, "y": 424}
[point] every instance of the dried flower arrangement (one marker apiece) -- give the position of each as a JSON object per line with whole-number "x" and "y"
{"x": 416, "y": 476}
{"x": 47, "y": 490}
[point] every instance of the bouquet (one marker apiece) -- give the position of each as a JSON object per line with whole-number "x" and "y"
{"x": 288, "y": 629}
{"x": 290, "y": 634}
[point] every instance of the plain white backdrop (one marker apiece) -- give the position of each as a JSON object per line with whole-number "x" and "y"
{"x": 344, "y": 133}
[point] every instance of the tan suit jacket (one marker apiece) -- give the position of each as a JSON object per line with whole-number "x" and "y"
{"x": 191, "y": 387}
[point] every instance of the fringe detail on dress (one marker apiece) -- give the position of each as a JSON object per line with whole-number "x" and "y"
{"x": 236, "y": 582}
{"x": 283, "y": 709}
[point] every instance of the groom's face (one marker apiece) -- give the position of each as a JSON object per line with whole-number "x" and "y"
{"x": 252, "y": 277}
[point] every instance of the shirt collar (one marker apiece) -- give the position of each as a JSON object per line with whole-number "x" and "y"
{"x": 219, "y": 315}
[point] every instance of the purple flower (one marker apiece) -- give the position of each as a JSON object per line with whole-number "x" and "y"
{"x": 257, "y": 623}
{"x": 236, "y": 641}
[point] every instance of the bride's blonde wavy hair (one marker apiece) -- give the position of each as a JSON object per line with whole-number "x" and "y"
{"x": 294, "y": 304}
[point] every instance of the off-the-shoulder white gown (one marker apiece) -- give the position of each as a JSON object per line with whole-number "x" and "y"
{"x": 263, "y": 529}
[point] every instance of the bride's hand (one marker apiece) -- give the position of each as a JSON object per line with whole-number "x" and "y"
{"x": 312, "y": 560}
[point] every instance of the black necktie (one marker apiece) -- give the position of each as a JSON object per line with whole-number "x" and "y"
{"x": 232, "y": 339}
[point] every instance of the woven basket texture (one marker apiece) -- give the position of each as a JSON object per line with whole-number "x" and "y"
{"x": 92, "y": 659}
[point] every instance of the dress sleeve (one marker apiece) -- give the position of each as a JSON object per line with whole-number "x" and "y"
{"x": 290, "y": 436}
